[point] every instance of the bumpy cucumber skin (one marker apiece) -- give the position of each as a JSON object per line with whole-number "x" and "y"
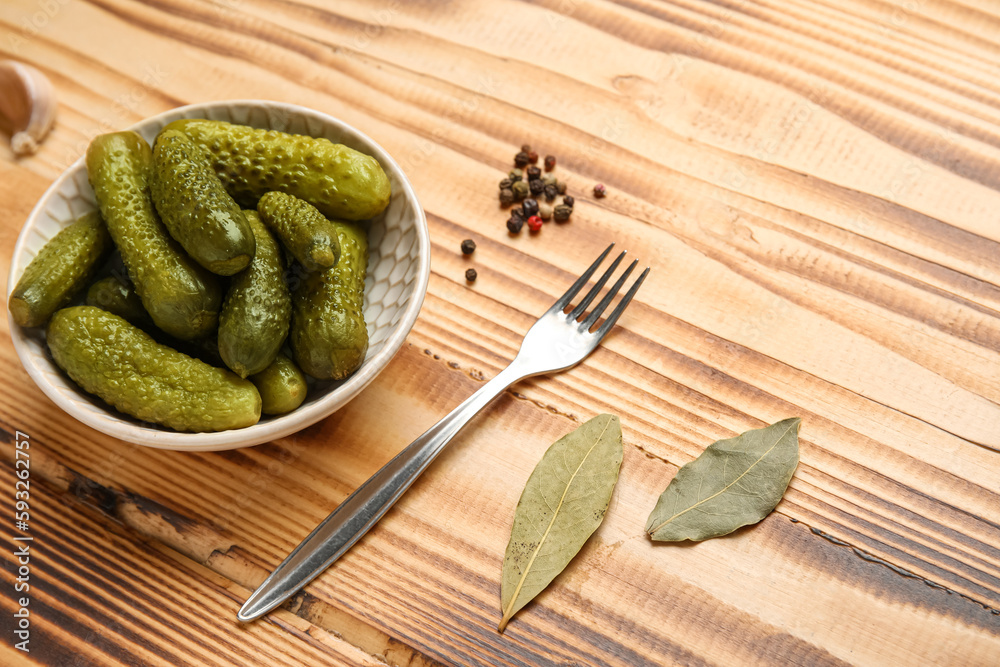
{"x": 340, "y": 181}
{"x": 195, "y": 207}
{"x": 115, "y": 296}
{"x": 121, "y": 364}
{"x": 329, "y": 337}
{"x": 182, "y": 297}
{"x": 282, "y": 386}
{"x": 303, "y": 230}
{"x": 255, "y": 316}
{"x": 60, "y": 270}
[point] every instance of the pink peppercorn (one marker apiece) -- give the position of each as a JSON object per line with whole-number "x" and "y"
{"x": 534, "y": 223}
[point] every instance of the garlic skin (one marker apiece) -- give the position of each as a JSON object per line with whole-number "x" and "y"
{"x": 27, "y": 106}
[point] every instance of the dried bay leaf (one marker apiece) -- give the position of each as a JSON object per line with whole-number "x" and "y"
{"x": 735, "y": 482}
{"x": 562, "y": 504}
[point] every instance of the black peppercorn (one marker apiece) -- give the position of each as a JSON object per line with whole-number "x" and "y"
{"x": 534, "y": 173}
{"x": 569, "y": 201}
{"x": 536, "y": 186}
{"x": 550, "y": 192}
{"x": 521, "y": 159}
{"x": 507, "y": 196}
{"x": 532, "y": 157}
{"x": 550, "y": 162}
{"x": 517, "y": 212}
{"x": 506, "y": 183}
{"x": 514, "y": 224}
{"x": 530, "y": 207}
{"x": 521, "y": 190}
{"x": 561, "y": 213}
{"x": 525, "y": 148}
{"x": 470, "y": 275}
{"x": 468, "y": 247}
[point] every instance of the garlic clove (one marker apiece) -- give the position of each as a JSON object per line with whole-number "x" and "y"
{"x": 27, "y": 106}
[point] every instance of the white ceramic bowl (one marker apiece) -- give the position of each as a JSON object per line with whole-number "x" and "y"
{"x": 398, "y": 270}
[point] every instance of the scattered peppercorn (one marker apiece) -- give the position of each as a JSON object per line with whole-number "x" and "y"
{"x": 507, "y": 196}
{"x": 550, "y": 162}
{"x": 521, "y": 159}
{"x": 516, "y": 175}
{"x": 468, "y": 247}
{"x": 517, "y": 212}
{"x": 536, "y": 186}
{"x": 569, "y": 201}
{"x": 471, "y": 275}
{"x": 534, "y": 223}
{"x": 545, "y": 211}
{"x": 521, "y": 190}
{"x": 600, "y": 191}
{"x": 561, "y": 185}
{"x": 514, "y": 224}
{"x": 525, "y": 148}
{"x": 532, "y": 157}
{"x": 534, "y": 173}
{"x": 549, "y": 179}
{"x": 530, "y": 207}
{"x": 561, "y": 213}
{"x": 550, "y": 192}
{"x": 506, "y": 183}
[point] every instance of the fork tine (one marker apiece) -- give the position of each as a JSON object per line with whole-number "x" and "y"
{"x": 564, "y": 300}
{"x": 582, "y": 306}
{"x": 620, "y": 308}
{"x": 592, "y": 318}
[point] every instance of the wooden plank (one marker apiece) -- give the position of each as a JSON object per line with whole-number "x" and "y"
{"x": 814, "y": 185}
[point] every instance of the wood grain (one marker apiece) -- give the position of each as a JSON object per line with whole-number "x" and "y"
{"x": 814, "y": 185}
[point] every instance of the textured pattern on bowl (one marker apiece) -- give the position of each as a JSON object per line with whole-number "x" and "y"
{"x": 398, "y": 270}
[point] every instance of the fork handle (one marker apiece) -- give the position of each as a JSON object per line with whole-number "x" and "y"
{"x": 361, "y": 510}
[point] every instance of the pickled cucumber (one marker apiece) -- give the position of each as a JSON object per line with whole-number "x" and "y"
{"x": 282, "y": 386}
{"x": 255, "y": 315}
{"x": 339, "y": 181}
{"x": 303, "y": 230}
{"x": 121, "y": 364}
{"x": 118, "y": 297}
{"x": 195, "y": 207}
{"x": 59, "y": 271}
{"x": 329, "y": 337}
{"x": 182, "y": 297}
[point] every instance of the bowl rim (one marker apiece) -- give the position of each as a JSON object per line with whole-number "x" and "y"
{"x": 275, "y": 427}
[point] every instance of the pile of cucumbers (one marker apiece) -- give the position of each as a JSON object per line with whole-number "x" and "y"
{"x": 232, "y": 244}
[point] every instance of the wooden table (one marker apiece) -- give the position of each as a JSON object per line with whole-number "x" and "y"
{"x": 815, "y": 186}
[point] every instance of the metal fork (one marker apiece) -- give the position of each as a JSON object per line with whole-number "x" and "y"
{"x": 557, "y": 341}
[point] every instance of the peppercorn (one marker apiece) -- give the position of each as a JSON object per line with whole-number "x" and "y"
{"x": 506, "y": 183}
{"x": 525, "y": 148}
{"x": 569, "y": 201}
{"x": 530, "y": 207}
{"x": 517, "y": 212}
{"x": 600, "y": 191}
{"x": 521, "y": 159}
{"x": 468, "y": 247}
{"x": 545, "y": 211}
{"x": 561, "y": 185}
{"x": 550, "y": 162}
{"x": 515, "y": 175}
{"x": 514, "y": 224}
{"x": 521, "y": 190}
{"x": 507, "y": 196}
{"x": 550, "y": 192}
{"x": 549, "y": 179}
{"x": 470, "y": 275}
{"x": 561, "y": 213}
{"x": 534, "y": 173}
{"x": 534, "y": 223}
{"x": 532, "y": 157}
{"x": 536, "y": 186}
